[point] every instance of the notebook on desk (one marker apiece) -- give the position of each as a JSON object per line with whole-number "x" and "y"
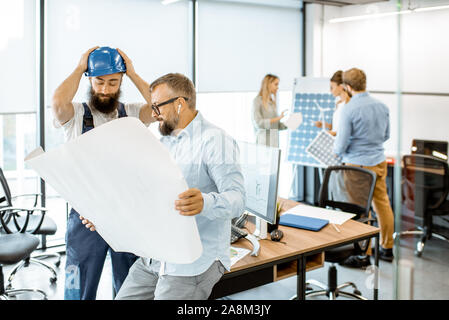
{"x": 293, "y": 220}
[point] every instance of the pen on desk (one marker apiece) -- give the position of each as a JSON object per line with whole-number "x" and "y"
{"x": 335, "y": 227}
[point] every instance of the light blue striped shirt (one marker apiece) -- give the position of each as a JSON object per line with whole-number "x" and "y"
{"x": 363, "y": 128}
{"x": 209, "y": 161}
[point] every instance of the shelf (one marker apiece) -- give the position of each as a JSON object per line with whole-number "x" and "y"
{"x": 289, "y": 269}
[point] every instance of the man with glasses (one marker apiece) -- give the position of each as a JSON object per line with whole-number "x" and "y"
{"x": 208, "y": 158}
{"x": 86, "y": 251}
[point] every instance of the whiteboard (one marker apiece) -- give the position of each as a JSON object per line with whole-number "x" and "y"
{"x": 307, "y": 93}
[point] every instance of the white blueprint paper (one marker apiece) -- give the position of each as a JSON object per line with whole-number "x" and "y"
{"x": 121, "y": 178}
{"x": 334, "y": 216}
{"x": 294, "y": 121}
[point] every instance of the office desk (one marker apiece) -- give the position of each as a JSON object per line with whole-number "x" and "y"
{"x": 303, "y": 251}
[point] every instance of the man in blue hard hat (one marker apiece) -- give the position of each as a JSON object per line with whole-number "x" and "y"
{"x": 86, "y": 251}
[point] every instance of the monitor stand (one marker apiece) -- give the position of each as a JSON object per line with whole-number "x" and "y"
{"x": 261, "y": 229}
{"x": 253, "y": 238}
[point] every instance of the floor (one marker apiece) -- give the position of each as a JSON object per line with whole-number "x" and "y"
{"x": 430, "y": 278}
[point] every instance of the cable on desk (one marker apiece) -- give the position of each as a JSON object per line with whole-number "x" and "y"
{"x": 275, "y": 241}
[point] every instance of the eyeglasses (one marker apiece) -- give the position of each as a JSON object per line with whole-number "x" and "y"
{"x": 156, "y": 107}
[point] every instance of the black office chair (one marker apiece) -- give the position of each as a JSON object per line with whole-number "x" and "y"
{"x": 425, "y": 189}
{"x": 14, "y": 247}
{"x": 37, "y": 224}
{"x": 349, "y": 189}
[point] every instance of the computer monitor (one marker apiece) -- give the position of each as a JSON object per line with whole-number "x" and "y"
{"x": 433, "y": 148}
{"x": 260, "y": 168}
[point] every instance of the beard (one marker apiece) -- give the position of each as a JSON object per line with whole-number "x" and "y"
{"x": 102, "y": 102}
{"x": 166, "y": 127}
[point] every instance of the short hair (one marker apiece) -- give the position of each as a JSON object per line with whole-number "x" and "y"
{"x": 356, "y": 78}
{"x": 180, "y": 85}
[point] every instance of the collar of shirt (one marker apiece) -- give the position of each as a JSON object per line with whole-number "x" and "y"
{"x": 188, "y": 131}
{"x": 360, "y": 95}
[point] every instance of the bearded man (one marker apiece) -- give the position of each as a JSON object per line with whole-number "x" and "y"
{"x": 86, "y": 251}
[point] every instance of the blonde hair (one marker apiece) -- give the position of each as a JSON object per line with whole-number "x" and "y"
{"x": 264, "y": 90}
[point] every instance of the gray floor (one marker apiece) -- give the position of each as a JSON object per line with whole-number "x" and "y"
{"x": 430, "y": 281}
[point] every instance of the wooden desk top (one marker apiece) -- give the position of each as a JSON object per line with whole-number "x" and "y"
{"x": 299, "y": 241}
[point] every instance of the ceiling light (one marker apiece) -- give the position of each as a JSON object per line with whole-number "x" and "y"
{"x": 386, "y": 14}
{"x": 165, "y": 2}
{"x": 431, "y": 8}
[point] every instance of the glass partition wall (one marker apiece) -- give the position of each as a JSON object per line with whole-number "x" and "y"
{"x": 18, "y": 94}
{"x": 402, "y": 46}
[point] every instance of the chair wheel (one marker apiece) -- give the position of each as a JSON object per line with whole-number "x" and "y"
{"x": 57, "y": 264}
{"x": 419, "y": 248}
{"x": 357, "y": 292}
{"x": 53, "y": 280}
{"x": 9, "y": 287}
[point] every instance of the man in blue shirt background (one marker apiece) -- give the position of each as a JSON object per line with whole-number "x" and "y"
{"x": 363, "y": 128}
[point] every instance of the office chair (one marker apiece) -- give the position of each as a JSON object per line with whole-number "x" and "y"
{"x": 14, "y": 247}
{"x": 35, "y": 224}
{"x": 349, "y": 189}
{"x": 425, "y": 192}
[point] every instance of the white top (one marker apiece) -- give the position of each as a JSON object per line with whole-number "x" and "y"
{"x": 74, "y": 127}
{"x": 336, "y": 115}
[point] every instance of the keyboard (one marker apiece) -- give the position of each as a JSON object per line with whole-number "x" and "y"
{"x": 237, "y": 233}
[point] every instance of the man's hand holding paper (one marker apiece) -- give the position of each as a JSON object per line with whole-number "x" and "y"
{"x": 89, "y": 225}
{"x": 191, "y": 202}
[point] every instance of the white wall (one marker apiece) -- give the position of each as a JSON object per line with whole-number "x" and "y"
{"x": 372, "y": 45}
{"x": 18, "y": 83}
{"x": 154, "y": 36}
{"x": 238, "y": 44}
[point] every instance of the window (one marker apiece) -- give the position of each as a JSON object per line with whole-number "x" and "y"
{"x": 239, "y": 43}
{"x": 18, "y": 94}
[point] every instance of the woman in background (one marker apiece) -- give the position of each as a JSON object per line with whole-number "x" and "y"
{"x": 343, "y": 97}
{"x": 265, "y": 118}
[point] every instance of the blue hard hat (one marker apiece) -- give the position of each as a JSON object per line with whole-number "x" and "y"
{"x": 104, "y": 60}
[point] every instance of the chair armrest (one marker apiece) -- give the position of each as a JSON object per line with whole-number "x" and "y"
{"x": 18, "y": 209}
{"x": 14, "y": 211}
{"x": 36, "y": 195}
{"x": 440, "y": 201}
{"x": 27, "y": 195}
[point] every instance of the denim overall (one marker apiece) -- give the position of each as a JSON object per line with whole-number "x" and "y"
{"x": 86, "y": 250}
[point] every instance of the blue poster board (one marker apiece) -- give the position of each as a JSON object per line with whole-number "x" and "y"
{"x": 307, "y": 94}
